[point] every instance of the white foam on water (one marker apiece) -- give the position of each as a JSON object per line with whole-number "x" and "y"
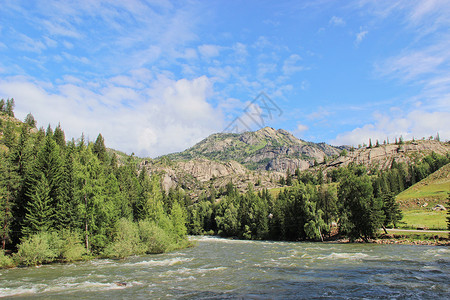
{"x": 90, "y": 286}
{"x": 437, "y": 252}
{"x": 183, "y": 271}
{"x": 349, "y": 256}
{"x": 159, "y": 263}
{"x": 8, "y": 292}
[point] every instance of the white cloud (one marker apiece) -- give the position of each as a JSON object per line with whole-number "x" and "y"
{"x": 169, "y": 116}
{"x": 417, "y": 124}
{"x": 301, "y": 128}
{"x": 209, "y": 50}
{"x": 336, "y": 21}
{"x": 291, "y": 65}
{"x": 360, "y": 36}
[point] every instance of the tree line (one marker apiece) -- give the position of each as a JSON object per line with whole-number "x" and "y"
{"x": 79, "y": 200}
{"x": 357, "y": 201}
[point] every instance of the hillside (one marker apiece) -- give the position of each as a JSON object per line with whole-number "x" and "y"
{"x": 381, "y": 157}
{"x": 432, "y": 190}
{"x": 265, "y": 149}
{"x": 418, "y": 201}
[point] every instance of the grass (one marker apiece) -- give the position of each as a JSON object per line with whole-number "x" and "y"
{"x": 276, "y": 191}
{"x": 435, "y": 187}
{"x": 421, "y": 218}
{"x": 418, "y": 235}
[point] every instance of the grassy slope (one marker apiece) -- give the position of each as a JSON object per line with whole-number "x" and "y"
{"x": 432, "y": 190}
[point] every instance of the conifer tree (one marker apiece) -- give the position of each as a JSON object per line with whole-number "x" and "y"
{"x": 39, "y": 209}
{"x": 59, "y": 137}
{"x": 30, "y": 121}
{"x": 49, "y": 131}
{"x": 9, "y": 185}
{"x": 9, "y": 135}
{"x": 9, "y": 109}
{"x": 100, "y": 148}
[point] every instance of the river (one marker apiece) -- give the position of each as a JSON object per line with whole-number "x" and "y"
{"x": 221, "y": 268}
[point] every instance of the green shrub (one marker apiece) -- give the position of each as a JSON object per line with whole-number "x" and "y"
{"x": 155, "y": 239}
{"x": 39, "y": 248}
{"x": 6, "y": 261}
{"x": 126, "y": 240}
{"x": 72, "y": 248}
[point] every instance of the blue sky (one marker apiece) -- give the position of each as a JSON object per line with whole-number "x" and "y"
{"x": 156, "y": 77}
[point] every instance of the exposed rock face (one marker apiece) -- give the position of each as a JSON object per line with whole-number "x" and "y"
{"x": 204, "y": 170}
{"x": 261, "y": 158}
{"x": 382, "y": 156}
{"x": 265, "y": 149}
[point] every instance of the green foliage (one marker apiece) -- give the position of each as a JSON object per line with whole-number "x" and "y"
{"x": 391, "y": 210}
{"x": 9, "y": 135}
{"x": 126, "y": 240}
{"x": 37, "y": 249}
{"x": 154, "y": 239}
{"x": 39, "y": 210}
{"x": 71, "y": 248}
{"x": 363, "y": 215}
{"x": 99, "y": 148}
{"x": 30, "y": 121}
{"x": 343, "y": 153}
{"x": 6, "y": 261}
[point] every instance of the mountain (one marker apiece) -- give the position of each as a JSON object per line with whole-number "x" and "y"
{"x": 266, "y": 149}
{"x": 382, "y": 156}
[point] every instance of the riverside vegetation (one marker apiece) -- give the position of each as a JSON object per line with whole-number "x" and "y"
{"x": 67, "y": 201}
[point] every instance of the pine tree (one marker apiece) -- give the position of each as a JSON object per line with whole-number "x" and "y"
{"x": 30, "y": 121}
{"x": 59, "y": 137}
{"x": 67, "y": 208}
{"x": 9, "y": 186}
{"x": 9, "y": 109}
{"x": 39, "y": 209}
{"x": 2, "y": 105}
{"x": 391, "y": 210}
{"x": 9, "y": 135}
{"x": 100, "y": 148}
{"x": 49, "y": 131}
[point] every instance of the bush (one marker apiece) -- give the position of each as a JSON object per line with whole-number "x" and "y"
{"x": 72, "y": 248}
{"x": 126, "y": 241}
{"x": 37, "y": 249}
{"x": 6, "y": 261}
{"x": 154, "y": 239}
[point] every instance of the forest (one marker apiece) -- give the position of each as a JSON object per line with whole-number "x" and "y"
{"x": 73, "y": 200}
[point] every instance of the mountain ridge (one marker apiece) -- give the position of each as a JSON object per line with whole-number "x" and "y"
{"x": 265, "y": 149}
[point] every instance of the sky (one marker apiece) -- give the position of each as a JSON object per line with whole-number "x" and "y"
{"x": 156, "y": 77}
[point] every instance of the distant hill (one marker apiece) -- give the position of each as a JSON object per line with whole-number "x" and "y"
{"x": 432, "y": 190}
{"x": 266, "y": 149}
{"x": 382, "y": 156}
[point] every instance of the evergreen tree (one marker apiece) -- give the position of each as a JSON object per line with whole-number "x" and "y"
{"x": 9, "y": 185}
{"x": 100, "y": 148}
{"x": 2, "y": 105}
{"x": 49, "y": 131}
{"x": 39, "y": 209}
{"x": 9, "y": 135}
{"x": 9, "y": 109}
{"x": 391, "y": 210}
{"x": 59, "y": 137}
{"x": 30, "y": 121}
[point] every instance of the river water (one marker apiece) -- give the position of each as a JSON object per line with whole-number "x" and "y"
{"x": 221, "y": 268}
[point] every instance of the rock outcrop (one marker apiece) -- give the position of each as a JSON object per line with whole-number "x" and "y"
{"x": 265, "y": 149}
